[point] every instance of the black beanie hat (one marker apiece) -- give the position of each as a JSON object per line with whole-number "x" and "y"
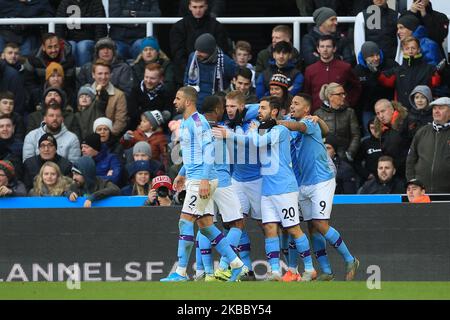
{"x": 48, "y": 137}
{"x": 410, "y": 21}
{"x": 93, "y": 141}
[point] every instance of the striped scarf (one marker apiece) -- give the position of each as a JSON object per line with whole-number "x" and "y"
{"x": 194, "y": 71}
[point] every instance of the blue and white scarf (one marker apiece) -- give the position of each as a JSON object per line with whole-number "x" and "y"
{"x": 194, "y": 71}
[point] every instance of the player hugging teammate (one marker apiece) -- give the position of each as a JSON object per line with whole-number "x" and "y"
{"x": 289, "y": 176}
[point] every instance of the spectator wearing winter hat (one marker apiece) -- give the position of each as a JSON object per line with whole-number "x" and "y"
{"x": 150, "y": 94}
{"x": 184, "y": 33}
{"x": 83, "y": 37}
{"x": 54, "y": 97}
{"x": 152, "y": 53}
{"x": 87, "y": 184}
{"x": 108, "y": 166}
{"x": 408, "y": 25}
{"x": 129, "y": 37}
{"x": 103, "y": 127}
{"x": 281, "y": 63}
{"x": 209, "y": 70}
{"x": 9, "y": 185}
{"x": 279, "y": 87}
{"x": 421, "y": 112}
{"x": 68, "y": 143}
{"x": 53, "y": 49}
{"x": 150, "y": 131}
{"x": 325, "y": 20}
{"x": 91, "y": 105}
{"x": 121, "y": 75}
{"x": 116, "y": 108}
{"x": 383, "y": 32}
{"x": 371, "y": 61}
{"x": 48, "y": 147}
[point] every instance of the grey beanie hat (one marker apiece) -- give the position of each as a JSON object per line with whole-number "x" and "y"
{"x": 323, "y": 14}
{"x": 87, "y": 90}
{"x": 425, "y": 90}
{"x": 105, "y": 42}
{"x": 142, "y": 147}
{"x": 206, "y": 43}
{"x": 369, "y": 48}
{"x": 157, "y": 118}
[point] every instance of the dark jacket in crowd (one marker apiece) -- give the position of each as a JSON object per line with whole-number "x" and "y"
{"x": 23, "y": 9}
{"x": 294, "y": 76}
{"x": 33, "y": 165}
{"x": 344, "y": 126}
{"x": 435, "y": 22}
{"x": 344, "y": 49}
{"x": 105, "y": 161}
{"x": 121, "y": 75}
{"x": 17, "y": 187}
{"x": 19, "y": 127}
{"x": 142, "y": 99}
{"x": 320, "y": 73}
{"x": 394, "y": 140}
{"x": 418, "y": 118}
{"x": 369, "y": 82}
{"x": 11, "y": 150}
{"x": 414, "y": 71}
{"x": 86, "y": 117}
{"x": 366, "y": 160}
{"x": 10, "y": 80}
{"x": 266, "y": 55}
{"x": 430, "y": 50}
{"x": 386, "y": 36}
{"x": 373, "y": 186}
{"x": 36, "y": 65}
{"x": 429, "y": 158}
{"x": 94, "y": 188}
{"x": 215, "y": 7}
{"x": 183, "y": 35}
{"x": 346, "y": 178}
{"x": 88, "y": 9}
{"x": 130, "y": 9}
{"x": 138, "y": 69}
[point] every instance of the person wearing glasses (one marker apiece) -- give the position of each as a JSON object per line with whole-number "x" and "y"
{"x": 341, "y": 121}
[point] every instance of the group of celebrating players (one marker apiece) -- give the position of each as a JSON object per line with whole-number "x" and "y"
{"x": 255, "y": 164}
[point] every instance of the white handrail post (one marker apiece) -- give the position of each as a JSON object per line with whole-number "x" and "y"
{"x": 297, "y": 35}
{"x": 149, "y": 29}
{"x": 51, "y": 27}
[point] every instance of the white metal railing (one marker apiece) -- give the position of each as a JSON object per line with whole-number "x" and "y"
{"x": 149, "y": 22}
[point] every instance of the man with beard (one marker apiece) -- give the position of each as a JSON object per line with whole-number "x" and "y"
{"x": 47, "y": 152}
{"x": 386, "y": 181}
{"x": 88, "y": 185}
{"x": 68, "y": 143}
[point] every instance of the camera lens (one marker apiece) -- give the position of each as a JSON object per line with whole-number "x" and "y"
{"x": 162, "y": 192}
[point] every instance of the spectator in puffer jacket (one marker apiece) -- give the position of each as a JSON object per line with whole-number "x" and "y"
{"x": 108, "y": 166}
{"x": 128, "y": 37}
{"x": 121, "y": 73}
{"x": 386, "y": 181}
{"x": 341, "y": 121}
{"x": 421, "y": 112}
{"x": 87, "y": 184}
{"x": 82, "y": 38}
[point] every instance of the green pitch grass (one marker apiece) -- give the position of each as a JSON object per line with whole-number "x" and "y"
{"x": 226, "y": 291}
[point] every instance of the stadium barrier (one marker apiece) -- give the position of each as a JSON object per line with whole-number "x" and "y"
{"x": 394, "y": 242}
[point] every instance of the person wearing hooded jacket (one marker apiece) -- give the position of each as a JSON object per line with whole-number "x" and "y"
{"x": 421, "y": 113}
{"x": 68, "y": 143}
{"x": 371, "y": 61}
{"x": 87, "y": 184}
{"x": 121, "y": 73}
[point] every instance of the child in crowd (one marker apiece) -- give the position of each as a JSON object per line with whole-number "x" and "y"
{"x": 242, "y": 55}
{"x": 150, "y": 130}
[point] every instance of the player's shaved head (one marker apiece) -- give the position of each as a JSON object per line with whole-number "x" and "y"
{"x": 189, "y": 93}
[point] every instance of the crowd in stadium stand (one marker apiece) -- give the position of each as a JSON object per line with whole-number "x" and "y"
{"x": 89, "y": 110}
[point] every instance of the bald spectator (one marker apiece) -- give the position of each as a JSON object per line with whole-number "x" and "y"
{"x": 428, "y": 157}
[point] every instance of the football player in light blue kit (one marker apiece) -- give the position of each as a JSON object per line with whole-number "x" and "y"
{"x": 279, "y": 189}
{"x": 201, "y": 181}
{"x": 316, "y": 184}
{"x": 246, "y": 179}
{"x": 224, "y": 199}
